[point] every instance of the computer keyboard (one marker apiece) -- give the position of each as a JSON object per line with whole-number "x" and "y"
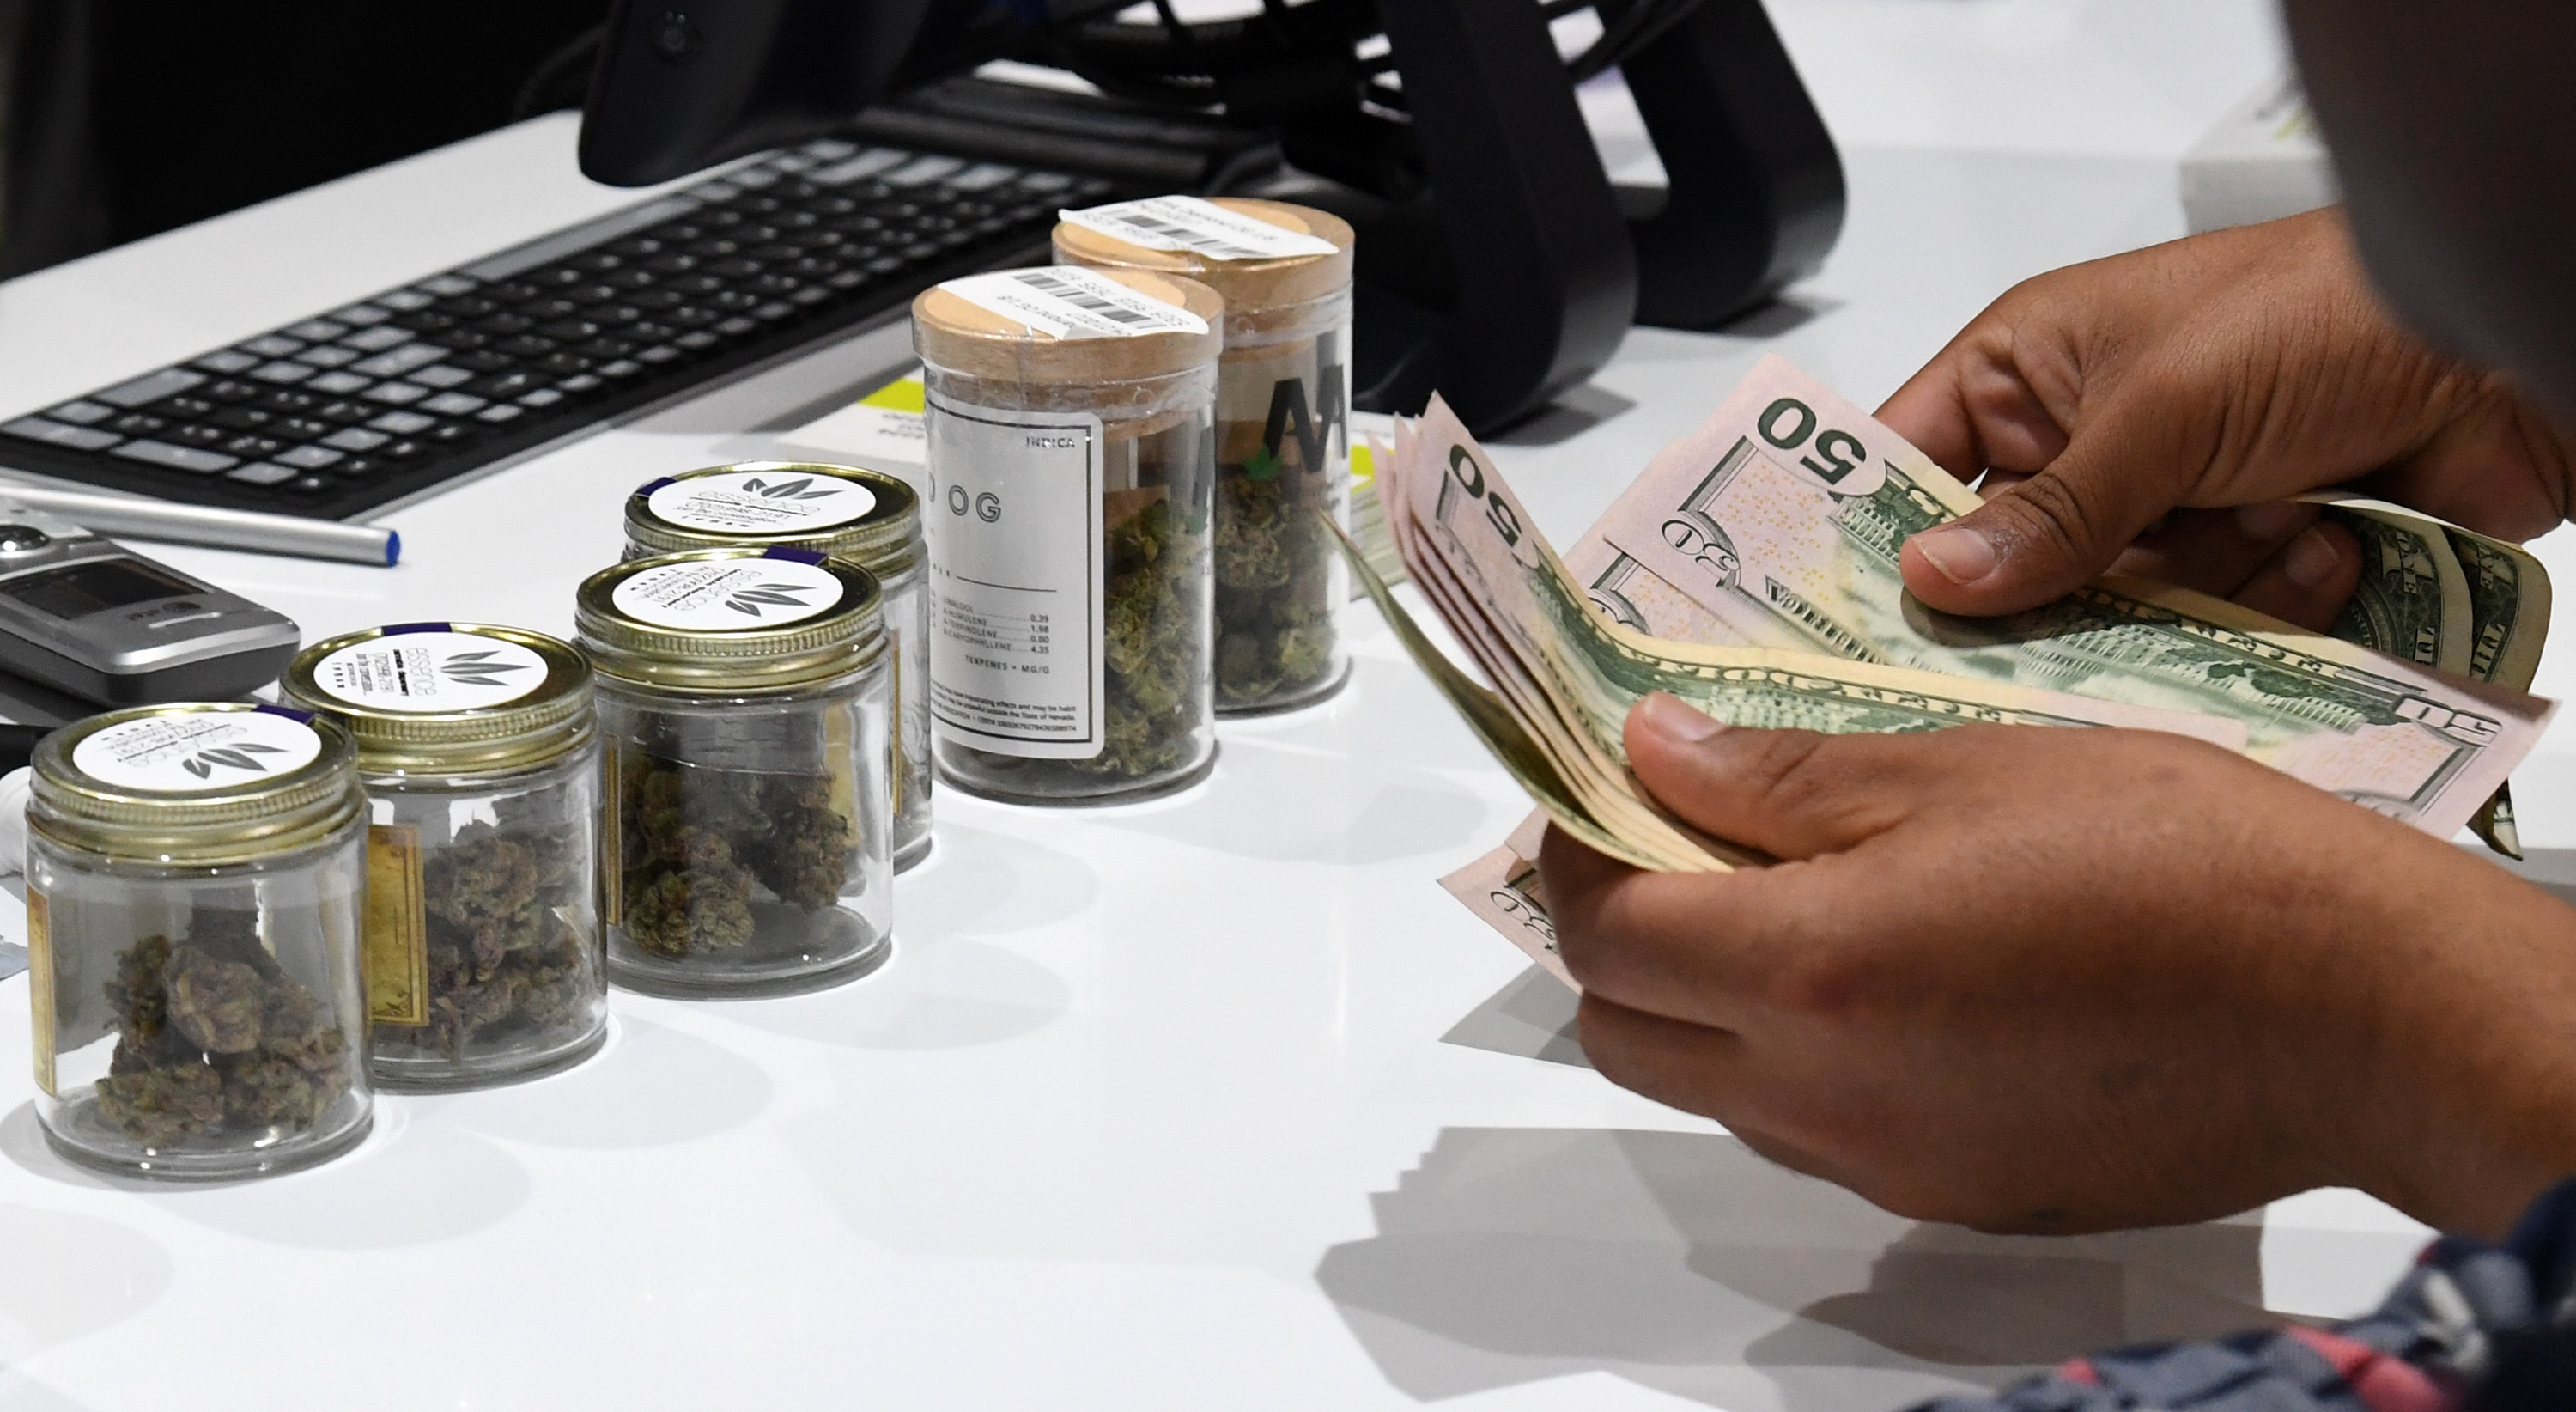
{"x": 363, "y": 406}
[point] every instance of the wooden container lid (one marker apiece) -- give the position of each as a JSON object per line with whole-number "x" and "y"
{"x": 960, "y": 336}
{"x": 1249, "y": 286}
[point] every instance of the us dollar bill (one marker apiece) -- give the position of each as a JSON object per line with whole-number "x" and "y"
{"x": 1504, "y": 891}
{"x": 1782, "y": 516}
{"x": 1564, "y": 678}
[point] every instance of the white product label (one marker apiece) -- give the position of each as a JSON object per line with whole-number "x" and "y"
{"x": 430, "y": 671}
{"x": 1066, "y": 301}
{"x": 194, "y": 751}
{"x": 1014, "y": 522}
{"x": 760, "y": 502}
{"x": 728, "y": 593}
{"x": 1189, "y": 223}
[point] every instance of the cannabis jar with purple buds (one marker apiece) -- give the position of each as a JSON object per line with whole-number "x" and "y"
{"x": 195, "y": 881}
{"x": 479, "y": 750}
{"x": 743, "y": 707}
{"x": 1283, "y": 396}
{"x": 867, "y": 517}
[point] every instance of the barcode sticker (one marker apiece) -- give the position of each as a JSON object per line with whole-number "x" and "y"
{"x": 1188, "y": 223}
{"x": 1064, "y": 301}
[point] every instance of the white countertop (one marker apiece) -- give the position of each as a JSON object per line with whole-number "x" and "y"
{"x": 1214, "y": 1102}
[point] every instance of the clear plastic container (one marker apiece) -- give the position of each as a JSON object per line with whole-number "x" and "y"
{"x": 479, "y": 750}
{"x": 195, "y": 875}
{"x": 1071, "y": 464}
{"x": 744, "y": 698}
{"x": 867, "y": 517}
{"x": 1283, "y": 396}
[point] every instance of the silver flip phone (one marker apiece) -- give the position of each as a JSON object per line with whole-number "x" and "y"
{"x": 88, "y": 616}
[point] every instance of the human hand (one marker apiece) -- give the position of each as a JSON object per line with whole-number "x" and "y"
{"x": 2038, "y": 979}
{"x": 2229, "y": 370}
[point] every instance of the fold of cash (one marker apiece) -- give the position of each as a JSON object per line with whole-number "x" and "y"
{"x": 1739, "y": 539}
{"x": 1564, "y": 676}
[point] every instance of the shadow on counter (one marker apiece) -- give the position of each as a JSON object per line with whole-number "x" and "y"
{"x": 1685, "y": 1263}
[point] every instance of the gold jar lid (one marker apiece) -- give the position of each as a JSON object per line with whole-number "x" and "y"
{"x": 847, "y": 512}
{"x": 208, "y": 782}
{"x": 1251, "y": 284}
{"x": 722, "y": 620}
{"x": 954, "y": 332}
{"x": 447, "y": 698}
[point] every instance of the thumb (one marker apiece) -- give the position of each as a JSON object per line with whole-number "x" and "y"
{"x": 2050, "y": 534}
{"x": 1790, "y": 793}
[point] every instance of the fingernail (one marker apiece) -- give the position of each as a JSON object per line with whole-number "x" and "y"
{"x": 1672, "y": 718}
{"x": 2269, "y": 521}
{"x": 1962, "y": 554}
{"x": 2310, "y": 559}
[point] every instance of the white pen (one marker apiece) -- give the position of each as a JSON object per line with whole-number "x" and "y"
{"x": 176, "y": 523}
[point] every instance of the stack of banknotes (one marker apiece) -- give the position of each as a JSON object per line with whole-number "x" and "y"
{"x": 1752, "y": 572}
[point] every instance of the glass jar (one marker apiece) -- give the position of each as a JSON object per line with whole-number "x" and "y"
{"x": 195, "y": 875}
{"x": 867, "y": 517}
{"x": 743, "y": 698}
{"x": 1071, "y": 460}
{"x": 479, "y": 750}
{"x": 1283, "y": 396}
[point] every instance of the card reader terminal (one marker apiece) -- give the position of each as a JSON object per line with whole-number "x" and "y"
{"x": 88, "y": 616}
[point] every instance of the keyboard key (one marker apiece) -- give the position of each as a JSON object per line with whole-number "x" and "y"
{"x": 483, "y": 362}
{"x": 752, "y": 178}
{"x": 1045, "y": 181}
{"x": 136, "y": 424}
{"x": 376, "y": 340}
{"x": 61, "y": 433}
{"x": 503, "y": 413}
{"x": 357, "y": 468}
{"x": 198, "y": 436}
{"x": 809, "y": 296}
{"x": 607, "y": 348}
{"x": 514, "y": 292}
{"x": 463, "y": 338}
{"x": 281, "y": 372}
{"x": 361, "y": 315}
{"x": 449, "y": 284}
{"x": 622, "y": 368}
{"x": 318, "y": 330}
{"x": 528, "y": 345}
{"x": 477, "y": 307}
{"x": 342, "y": 411}
{"x": 359, "y": 438}
{"x": 81, "y": 413}
{"x": 697, "y": 340}
{"x": 848, "y": 279}
{"x": 275, "y": 345}
{"x": 337, "y": 383}
{"x": 571, "y": 330}
{"x": 454, "y": 433}
{"x": 228, "y": 361}
{"x": 300, "y": 428}
{"x": 542, "y": 397}
{"x": 793, "y": 162}
{"x": 982, "y": 176}
{"x": 441, "y": 376}
{"x": 251, "y": 448}
{"x": 561, "y": 364}
{"x": 177, "y": 458}
{"x": 261, "y": 473}
{"x": 395, "y": 394}
{"x": 828, "y": 149}
{"x": 658, "y": 354}
{"x": 736, "y": 327}
{"x": 309, "y": 458}
{"x": 866, "y": 164}
{"x": 399, "y": 450}
{"x": 773, "y": 311}
{"x": 244, "y": 418}
{"x": 583, "y": 382}
{"x": 311, "y": 483}
{"x": 402, "y": 423}
{"x": 452, "y": 404}
{"x": 405, "y": 300}
{"x": 290, "y": 400}
{"x": 229, "y": 390}
{"x": 401, "y": 360}
{"x": 509, "y": 384}
{"x": 694, "y": 318}
{"x": 327, "y": 357}
{"x": 151, "y": 387}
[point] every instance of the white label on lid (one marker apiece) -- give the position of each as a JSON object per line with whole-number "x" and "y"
{"x": 760, "y": 502}
{"x": 1067, "y": 301}
{"x": 1189, "y": 223}
{"x": 190, "y": 752}
{"x": 430, "y": 671}
{"x": 1016, "y": 609}
{"x": 728, "y": 593}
